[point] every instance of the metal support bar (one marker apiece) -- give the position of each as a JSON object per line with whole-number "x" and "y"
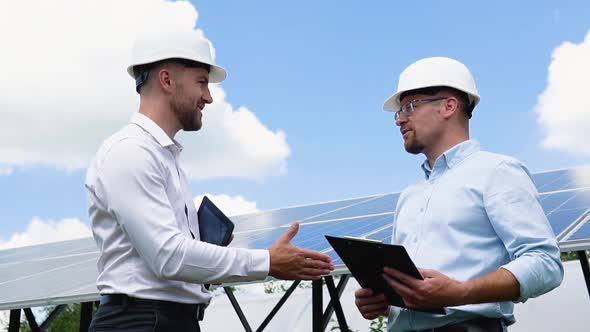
{"x": 51, "y": 317}
{"x": 85, "y": 316}
{"x": 236, "y": 305}
{"x": 14, "y": 324}
{"x": 31, "y": 319}
{"x": 334, "y": 304}
{"x": 278, "y": 306}
{"x": 585, "y": 267}
{"x": 317, "y": 306}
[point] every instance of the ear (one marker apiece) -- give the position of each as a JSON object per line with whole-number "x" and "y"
{"x": 450, "y": 107}
{"x": 165, "y": 80}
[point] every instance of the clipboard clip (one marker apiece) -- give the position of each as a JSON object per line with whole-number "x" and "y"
{"x": 362, "y": 239}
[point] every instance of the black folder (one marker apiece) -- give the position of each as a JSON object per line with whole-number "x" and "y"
{"x": 214, "y": 226}
{"x": 365, "y": 259}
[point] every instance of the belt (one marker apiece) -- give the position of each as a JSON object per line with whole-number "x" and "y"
{"x": 198, "y": 310}
{"x": 483, "y": 324}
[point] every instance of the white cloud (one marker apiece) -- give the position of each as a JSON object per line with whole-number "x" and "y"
{"x": 582, "y": 176}
{"x": 45, "y": 231}
{"x": 231, "y": 206}
{"x": 65, "y": 89}
{"x": 6, "y": 171}
{"x": 563, "y": 107}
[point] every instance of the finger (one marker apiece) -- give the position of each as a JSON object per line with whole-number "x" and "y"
{"x": 311, "y": 263}
{"x": 373, "y": 307}
{"x": 401, "y": 288}
{"x": 289, "y": 234}
{"x": 428, "y": 273}
{"x": 394, "y": 273}
{"x": 375, "y": 314}
{"x": 401, "y": 277}
{"x": 315, "y": 255}
{"x": 362, "y": 300}
{"x": 364, "y": 292}
{"x": 318, "y": 272}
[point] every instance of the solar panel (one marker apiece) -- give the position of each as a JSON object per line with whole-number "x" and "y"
{"x": 582, "y": 233}
{"x": 281, "y": 217}
{"x": 564, "y": 179}
{"x": 376, "y": 205}
{"x": 545, "y": 180}
{"x": 65, "y": 272}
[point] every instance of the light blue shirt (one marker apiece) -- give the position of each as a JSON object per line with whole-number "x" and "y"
{"x": 476, "y": 212}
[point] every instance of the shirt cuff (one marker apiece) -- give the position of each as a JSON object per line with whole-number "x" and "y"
{"x": 259, "y": 263}
{"x": 524, "y": 275}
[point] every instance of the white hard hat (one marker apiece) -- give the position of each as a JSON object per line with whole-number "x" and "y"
{"x": 167, "y": 44}
{"x": 431, "y": 72}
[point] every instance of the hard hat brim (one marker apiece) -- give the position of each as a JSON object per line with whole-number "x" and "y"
{"x": 217, "y": 74}
{"x": 392, "y": 104}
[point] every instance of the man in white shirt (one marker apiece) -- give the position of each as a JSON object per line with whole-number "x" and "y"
{"x": 152, "y": 266}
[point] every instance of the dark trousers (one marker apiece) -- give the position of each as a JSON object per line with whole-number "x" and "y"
{"x": 138, "y": 315}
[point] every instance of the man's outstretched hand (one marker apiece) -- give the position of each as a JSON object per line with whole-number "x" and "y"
{"x": 293, "y": 263}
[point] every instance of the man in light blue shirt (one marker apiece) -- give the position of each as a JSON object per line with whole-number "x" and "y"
{"x": 474, "y": 227}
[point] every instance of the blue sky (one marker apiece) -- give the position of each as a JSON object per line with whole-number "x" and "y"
{"x": 319, "y": 71}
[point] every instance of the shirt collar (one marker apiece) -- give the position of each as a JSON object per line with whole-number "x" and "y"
{"x": 450, "y": 158}
{"x": 153, "y": 129}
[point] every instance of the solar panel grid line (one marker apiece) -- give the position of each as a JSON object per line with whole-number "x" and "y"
{"x": 309, "y": 204}
{"x": 91, "y": 248}
{"x": 577, "y": 244}
{"x": 47, "y": 271}
{"x": 563, "y": 190}
{"x": 312, "y": 223}
{"x": 377, "y": 230}
{"x": 548, "y": 184}
{"x": 575, "y": 226}
{"x": 74, "y": 291}
{"x": 56, "y": 257}
{"x": 341, "y": 208}
{"x": 357, "y": 224}
{"x": 562, "y": 204}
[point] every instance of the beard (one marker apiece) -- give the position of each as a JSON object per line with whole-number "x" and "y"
{"x": 412, "y": 145}
{"x": 185, "y": 110}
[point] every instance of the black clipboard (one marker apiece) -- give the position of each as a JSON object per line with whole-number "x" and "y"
{"x": 365, "y": 259}
{"x": 214, "y": 226}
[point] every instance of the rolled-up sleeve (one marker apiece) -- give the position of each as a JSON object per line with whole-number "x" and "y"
{"x": 512, "y": 203}
{"x": 133, "y": 184}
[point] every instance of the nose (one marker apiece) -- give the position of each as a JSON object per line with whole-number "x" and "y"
{"x": 207, "y": 98}
{"x": 401, "y": 120}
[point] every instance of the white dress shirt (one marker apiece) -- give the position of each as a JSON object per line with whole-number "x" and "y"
{"x": 137, "y": 196}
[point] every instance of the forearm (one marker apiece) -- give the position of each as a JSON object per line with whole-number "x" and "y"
{"x": 195, "y": 261}
{"x": 498, "y": 286}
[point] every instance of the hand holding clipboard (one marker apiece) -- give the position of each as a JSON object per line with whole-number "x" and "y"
{"x": 366, "y": 260}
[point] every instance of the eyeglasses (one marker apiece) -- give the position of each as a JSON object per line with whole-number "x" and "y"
{"x": 409, "y": 107}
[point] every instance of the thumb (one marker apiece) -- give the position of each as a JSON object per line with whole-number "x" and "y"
{"x": 289, "y": 234}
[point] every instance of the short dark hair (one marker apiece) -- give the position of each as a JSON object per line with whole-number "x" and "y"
{"x": 141, "y": 72}
{"x": 463, "y": 98}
